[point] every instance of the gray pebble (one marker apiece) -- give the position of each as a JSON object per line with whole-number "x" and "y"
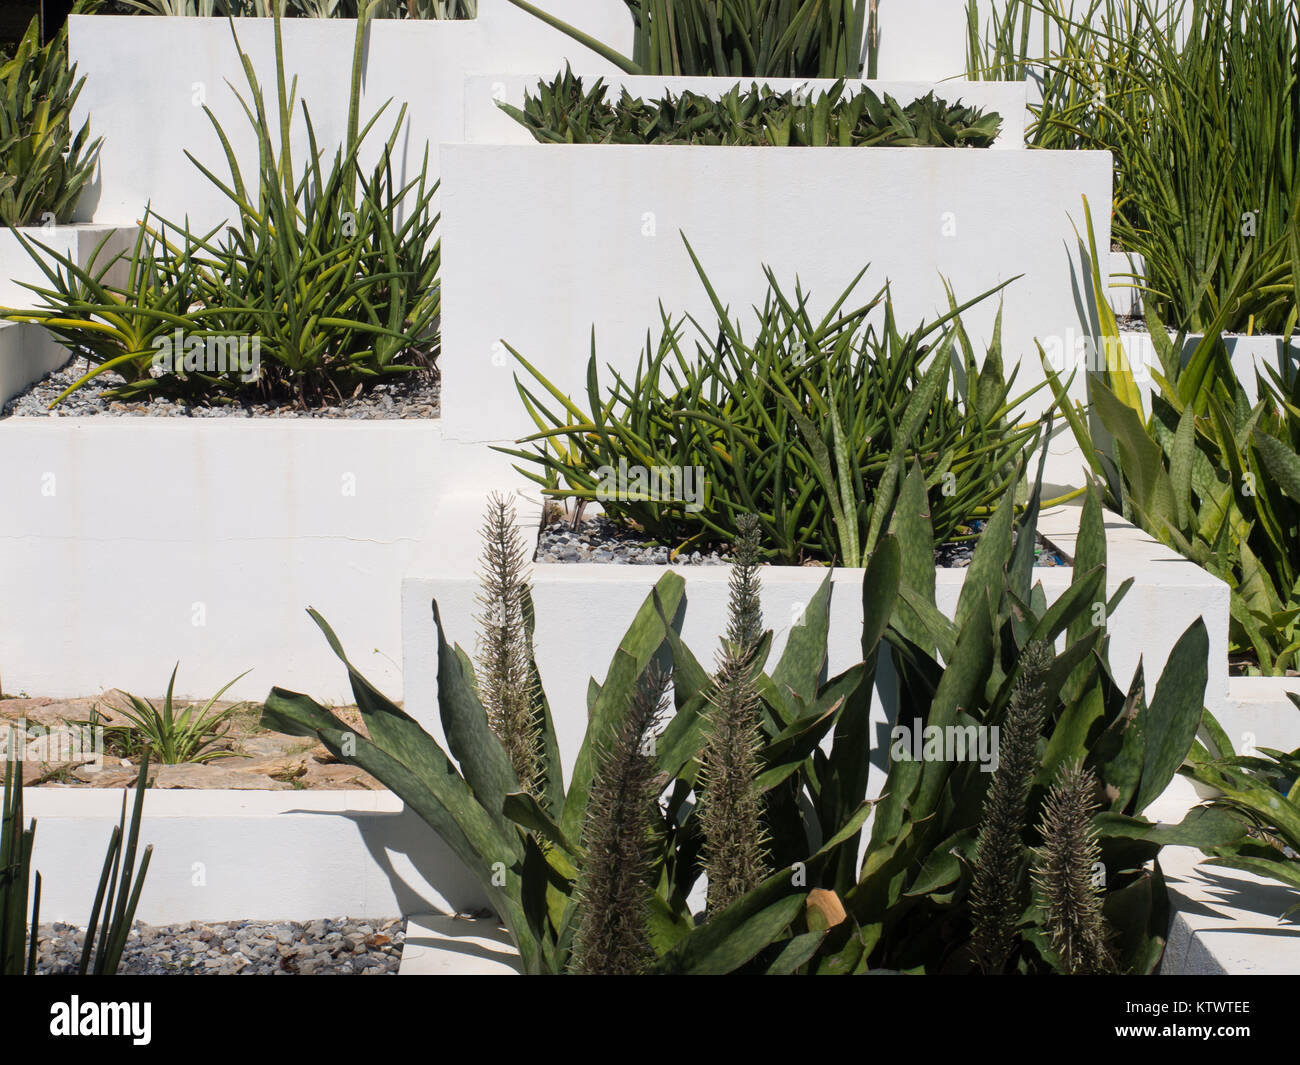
{"x": 240, "y": 947}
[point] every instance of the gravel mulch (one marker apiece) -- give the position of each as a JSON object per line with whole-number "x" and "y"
{"x": 246, "y": 948}
{"x": 414, "y": 395}
{"x": 598, "y": 539}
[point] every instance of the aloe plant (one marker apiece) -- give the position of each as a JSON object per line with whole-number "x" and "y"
{"x": 807, "y": 423}
{"x": 563, "y": 112}
{"x": 174, "y": 736}
{"x": 333, "y": 271}
{"x": 44, "y": 164}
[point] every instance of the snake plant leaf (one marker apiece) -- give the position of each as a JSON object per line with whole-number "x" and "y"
{"x": 799, "y": 670}
{"x": 1174, "y": 714}
{"x": 987, "y": 572}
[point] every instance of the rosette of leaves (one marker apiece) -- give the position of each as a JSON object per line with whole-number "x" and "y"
{"x": 563, "y": 112}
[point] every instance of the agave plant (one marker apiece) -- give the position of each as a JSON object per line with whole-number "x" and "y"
{"x": 116, "y": 897}
{"x": 807, "y": 423}
{"x": 563, "y": 112}
{"x": 44, "y": 164}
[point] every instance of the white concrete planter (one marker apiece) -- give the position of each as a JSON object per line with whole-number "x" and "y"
{"x": 249, "y": 855}
{"x": 78, "y": 242}
{"x": 486, "y": 123}
{"x": 543, "y": 242}
{"x": 583, "y": 610}
{"x": 149, "y": 112}
{"x": 27, "y": 353}
{"x": 1258, "y": 713}
{"x": 129, "y": 543}
{"x": 1248, "y": 354}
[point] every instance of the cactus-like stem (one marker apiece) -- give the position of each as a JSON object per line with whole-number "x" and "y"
{"x": 744, "y": 608}
{"x": 505, "y": 683}
{"x": 997, "y": 892}
{"x": 731, "y": 804}
{"x": 613, "y": 890}
{"x": 1063, "y": 874}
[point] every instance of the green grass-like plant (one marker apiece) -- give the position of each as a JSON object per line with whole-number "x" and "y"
{"x": 748, "y": 38}
{"x": 563, "y": 112}
{"x": 807, "y": 423}
{"x": 332, "y": 270}
{"x": 175, "y": 736}
{"x": 1204, "y": 128}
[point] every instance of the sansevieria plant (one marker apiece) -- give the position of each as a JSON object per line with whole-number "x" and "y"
{"x": 44, "y": 163}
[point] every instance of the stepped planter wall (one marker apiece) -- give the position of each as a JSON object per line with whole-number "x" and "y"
{"x": 147, "y": 80}
{"x": 583, "y": 610}
{"x": 128, "y": 543}
{"x": 1249, "y": 355}
{"x": 541, "y": 243}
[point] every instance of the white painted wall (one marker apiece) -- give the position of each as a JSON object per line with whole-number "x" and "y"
{"x": 541, "y": 243}
{"x": 486, "y": 123}
{"x": 249, "y": 855}
{"x": 127, "y": 544}
{"x": 79, "y": 243}
{"x": 146, "y": 79}
{"x": 27, "y": 353}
